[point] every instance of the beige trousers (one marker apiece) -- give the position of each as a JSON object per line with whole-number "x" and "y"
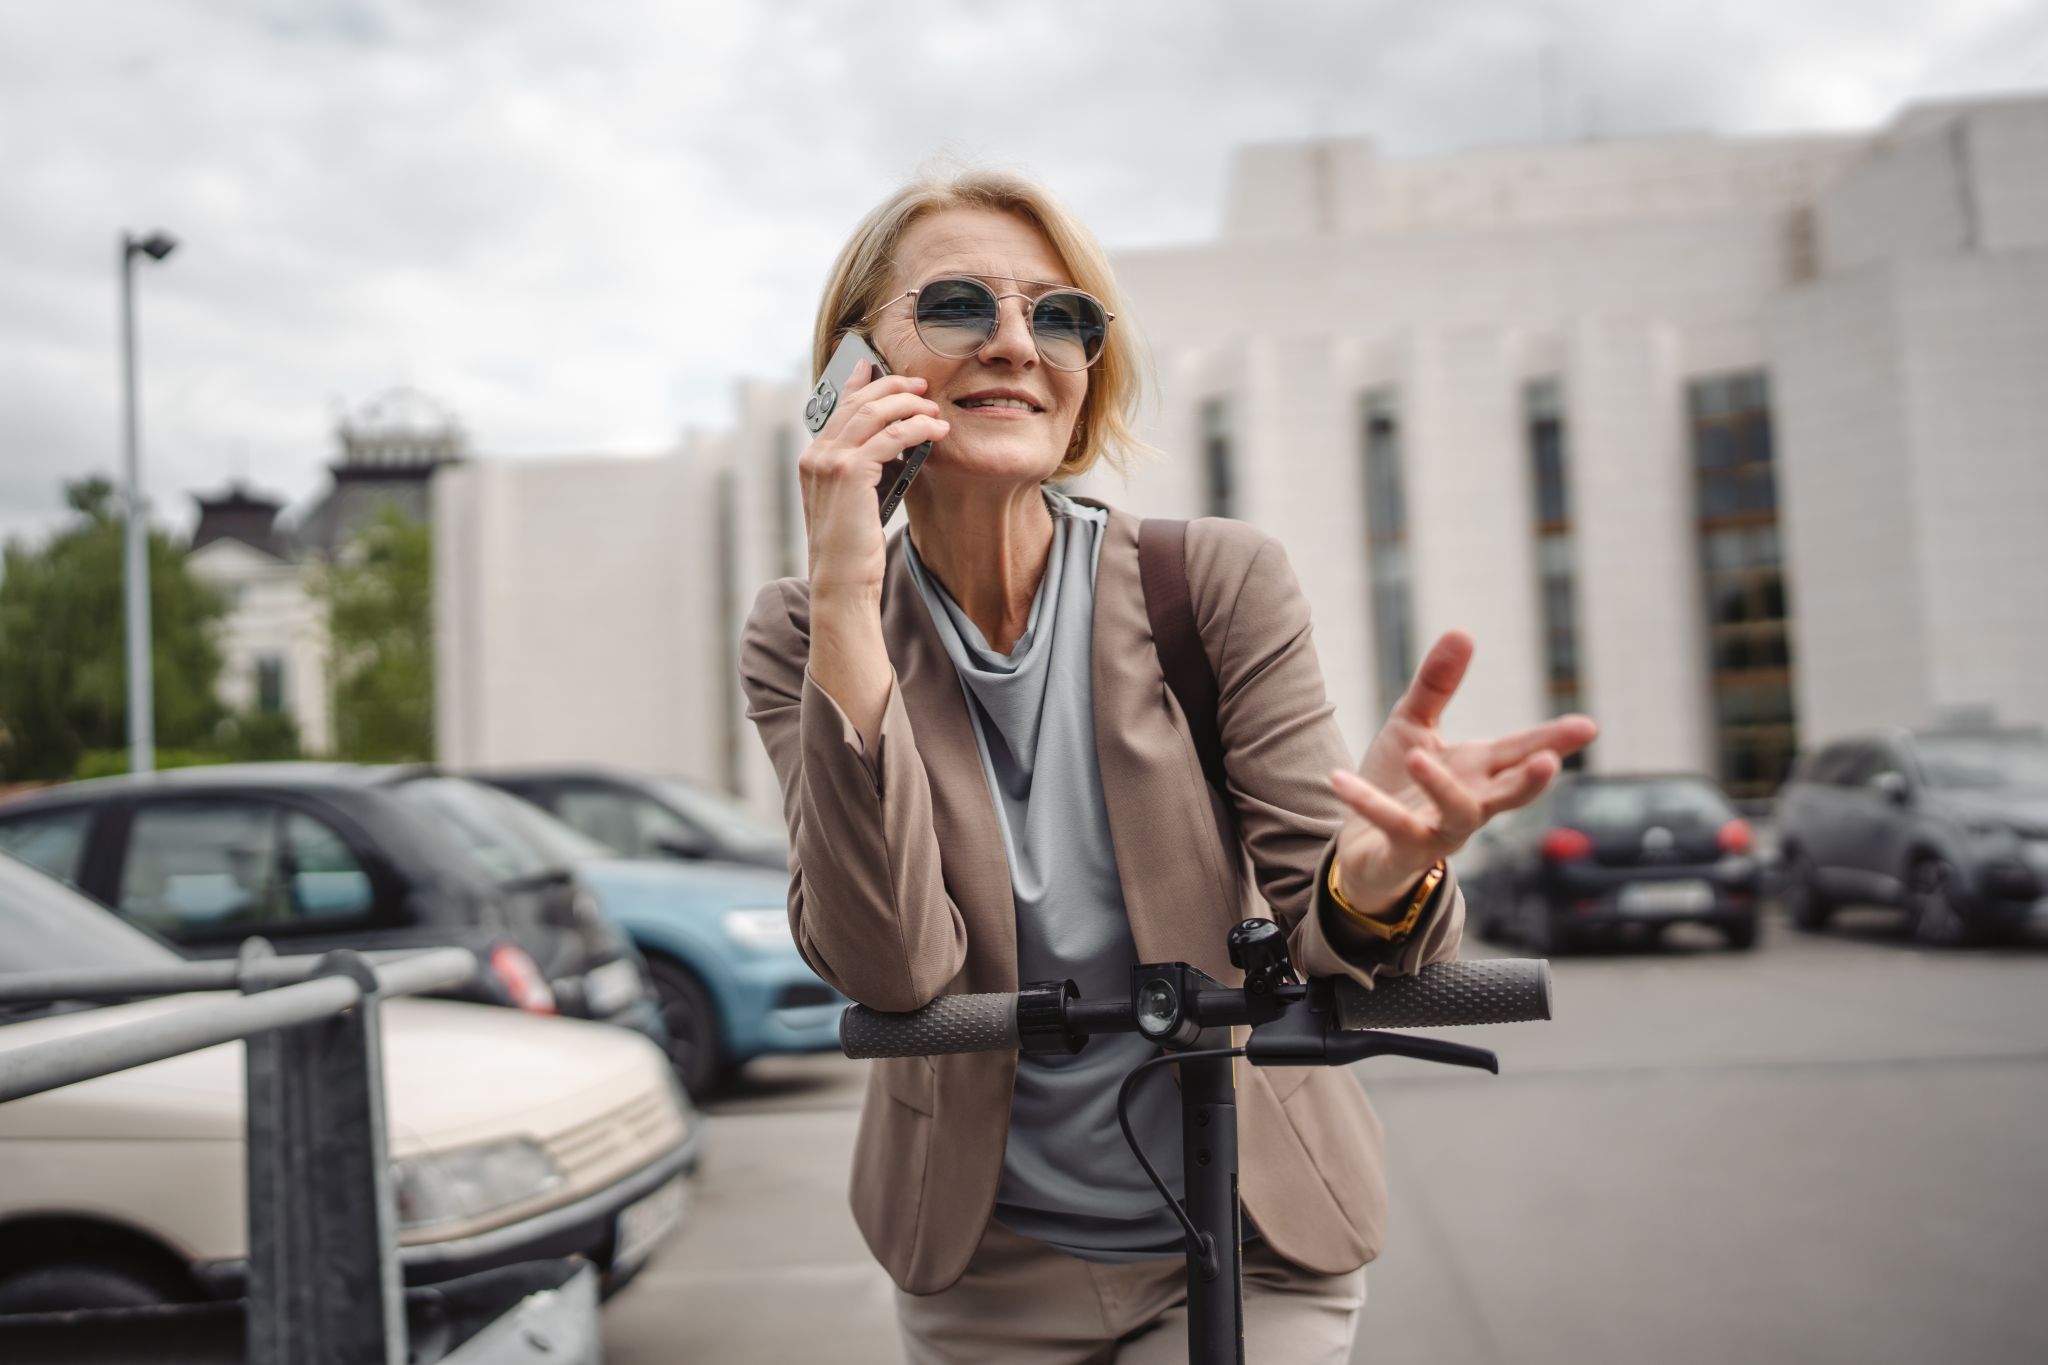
{"x": 1023, "y": 1303}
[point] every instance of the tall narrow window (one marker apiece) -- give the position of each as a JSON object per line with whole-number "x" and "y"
{"x": 788, "y": 512}
{"x": 1556, "y": 574}
{"x": 1748, "y": 643}
{"x": 1386, "y": 523}
{"x": 1219, "y": 458}
{"x": 270, "y": 683}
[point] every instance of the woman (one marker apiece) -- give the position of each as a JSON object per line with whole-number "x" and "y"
{"x": 985, "y": 782}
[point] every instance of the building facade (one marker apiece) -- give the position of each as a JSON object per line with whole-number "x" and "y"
{"x": 1735, "y": 444}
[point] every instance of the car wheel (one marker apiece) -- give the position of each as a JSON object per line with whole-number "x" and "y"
{"x": 67, "y": 1286}
{"x": 1805, "y": 904}
{"x": 1937, "y": 917}
{"x": 695, "y": 1048}
{"x": 1742, "y": 935}
{"x": 1544, "y": 937}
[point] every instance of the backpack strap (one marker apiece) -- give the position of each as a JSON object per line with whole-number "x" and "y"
{"x": 1169, "y": 604}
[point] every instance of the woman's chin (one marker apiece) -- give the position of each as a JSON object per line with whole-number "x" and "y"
{"x": 999, "y": 461}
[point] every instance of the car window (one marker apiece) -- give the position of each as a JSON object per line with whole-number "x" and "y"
{"x": 1613, "y": 804}
{"x": 1857, "y": 763}
{"x": 1984, "y": 762}
{"x": 52, "y": 842}
{"x": 476, "y": 817}
{"x": 622, "y": 821}
{"x": 721, "y": 819}
{"x": 195, "y": 866}
{"x": 47, "y": 926}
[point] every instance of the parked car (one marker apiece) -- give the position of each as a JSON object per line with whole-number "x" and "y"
{"x": 640, "y": 816}
{"x": 1949, "y": 827}
{"x": 716, "y": 940}
{"x": 329, "y": 855}
{"x": 514, "y": 1137}
{"x": 1597, "y": 855}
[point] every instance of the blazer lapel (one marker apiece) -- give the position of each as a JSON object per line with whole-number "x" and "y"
{"x": 977, "y": 870}
{"x": 1175, "y": 883}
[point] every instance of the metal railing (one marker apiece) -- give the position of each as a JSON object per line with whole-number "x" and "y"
{"x": 324, "y": 1284}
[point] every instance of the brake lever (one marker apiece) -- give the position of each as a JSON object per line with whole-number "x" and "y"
{"x": 1356, "y": 1045}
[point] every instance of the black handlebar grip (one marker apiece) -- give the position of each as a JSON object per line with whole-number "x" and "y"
{"x": 1482, "y": 991}
{"x": 951, "y": 1023}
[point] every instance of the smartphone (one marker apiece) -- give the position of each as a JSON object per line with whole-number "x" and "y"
{"x": 898, "y": 474}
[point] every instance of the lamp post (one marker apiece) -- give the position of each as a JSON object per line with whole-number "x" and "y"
{"x": 135, "y": 581}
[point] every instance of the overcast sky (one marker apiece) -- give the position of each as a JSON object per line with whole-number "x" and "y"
{"x": 577, "y": 223}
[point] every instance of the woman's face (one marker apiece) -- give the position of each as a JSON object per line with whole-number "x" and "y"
{"x": 992, "y": 437}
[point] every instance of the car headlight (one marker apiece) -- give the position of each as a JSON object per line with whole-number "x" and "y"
{"x": 758, "y": 928}
{"x": 468, "y": 1182}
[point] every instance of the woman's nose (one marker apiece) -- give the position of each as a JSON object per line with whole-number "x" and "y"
{"x": 1013, "y": 340}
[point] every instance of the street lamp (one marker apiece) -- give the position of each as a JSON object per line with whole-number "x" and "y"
{"x": 141, "y": 694}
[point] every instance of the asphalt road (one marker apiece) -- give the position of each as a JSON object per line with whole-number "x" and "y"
{"x": 1830, "y": 1149}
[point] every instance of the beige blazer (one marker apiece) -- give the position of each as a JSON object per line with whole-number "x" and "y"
{"x": 900, "y": 889}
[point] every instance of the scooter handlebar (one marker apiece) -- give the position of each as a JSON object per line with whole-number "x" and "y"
{"x": 1447, "y": 995}
{"x": 1450, "y": 994}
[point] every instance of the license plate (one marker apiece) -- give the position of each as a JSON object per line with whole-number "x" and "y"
{"x": 612, "y": 987}
{"x": 644, "y": 1223}
{"x": 1666, "y": 898}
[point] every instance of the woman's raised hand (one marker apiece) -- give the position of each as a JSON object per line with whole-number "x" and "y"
{"x": 1416, "y": 798}
{"x": 875, "y": 422}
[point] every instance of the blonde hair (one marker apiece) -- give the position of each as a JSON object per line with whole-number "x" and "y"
{"x": 866, "y": 263}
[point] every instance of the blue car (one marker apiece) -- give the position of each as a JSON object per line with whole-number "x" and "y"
{"x": 725, "y": 969}
{"x": 715, "y": 935}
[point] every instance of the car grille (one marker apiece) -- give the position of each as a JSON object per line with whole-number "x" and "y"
{"x": 628, "y": 1137}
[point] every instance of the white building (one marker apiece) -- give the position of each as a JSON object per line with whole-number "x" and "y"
{"x": 273, "y": 639}
{"x": 1736, "y": 444}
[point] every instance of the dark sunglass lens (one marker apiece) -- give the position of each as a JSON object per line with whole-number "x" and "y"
{"x": 1070, "y": 329}
{"x": 956, "y": 317}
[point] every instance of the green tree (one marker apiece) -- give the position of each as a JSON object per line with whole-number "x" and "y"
{"x": 380, "y": 603}
{"x": 63, "y": 667}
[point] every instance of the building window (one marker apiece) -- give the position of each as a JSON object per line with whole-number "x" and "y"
{"x": 788, "y": 509}
{"x": 1219, "y": 458}
{"x": 1749, "y": 655}
{"x": 1386, "y": 523}
{"x": 1556, "y": 573}
{"x": 270, "y": 683}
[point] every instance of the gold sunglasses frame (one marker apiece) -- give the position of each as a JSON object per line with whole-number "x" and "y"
{"x": 1047, "y": 288}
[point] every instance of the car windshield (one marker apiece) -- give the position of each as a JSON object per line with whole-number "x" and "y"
{"x": 486, "y": 822}
{"x": 723, "y": 820}
{"x": 564, "y": 842}
{"x": 1985, "y": 762}
{"x": 46, "y": 926}
{"x": 1626, "y": 804}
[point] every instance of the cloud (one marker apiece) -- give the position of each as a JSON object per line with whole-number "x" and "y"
{"x": 580, "y": 225}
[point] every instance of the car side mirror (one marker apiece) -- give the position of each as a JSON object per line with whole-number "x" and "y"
{"x": 682, "y": 846}
{"x": 1891, "y": 786}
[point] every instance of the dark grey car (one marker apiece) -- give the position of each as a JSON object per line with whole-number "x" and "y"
{"x": 1950, "y": 827}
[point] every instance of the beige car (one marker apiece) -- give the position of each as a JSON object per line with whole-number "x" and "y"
{"x": 513, "y": 1137}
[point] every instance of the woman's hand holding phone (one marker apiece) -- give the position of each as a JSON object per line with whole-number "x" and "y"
{"x": 874, "y": 422}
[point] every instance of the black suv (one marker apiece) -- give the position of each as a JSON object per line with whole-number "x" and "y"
{"x": 1950, "y": 827}
{"x": 315, "y": 856}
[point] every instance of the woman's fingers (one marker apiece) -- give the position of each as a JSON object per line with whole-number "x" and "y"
{"x": 874, "y": 415}
{"x": 903, "y": 433}
{"x": 1459, "y": 810}
{"x": 1521, "y": 784}
{"x": 1564, "y": 735}
{"x": 1436, "y": 681}
{"x": 1400, "y": 823}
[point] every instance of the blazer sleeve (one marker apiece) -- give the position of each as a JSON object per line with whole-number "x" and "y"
{"x": 867, "y": 902}
{"x": 1280, "y": 741}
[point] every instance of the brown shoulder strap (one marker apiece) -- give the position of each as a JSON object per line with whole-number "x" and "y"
{"x": 1169, "y": 603}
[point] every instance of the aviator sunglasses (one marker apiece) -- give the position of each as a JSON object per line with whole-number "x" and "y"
{"x": 957, "y": 315}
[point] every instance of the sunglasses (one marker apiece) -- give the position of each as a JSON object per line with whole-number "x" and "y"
{"x": 958, "y": 315}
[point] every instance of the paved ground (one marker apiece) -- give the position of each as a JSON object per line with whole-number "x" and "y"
{"x": 1828, "y": 1150}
